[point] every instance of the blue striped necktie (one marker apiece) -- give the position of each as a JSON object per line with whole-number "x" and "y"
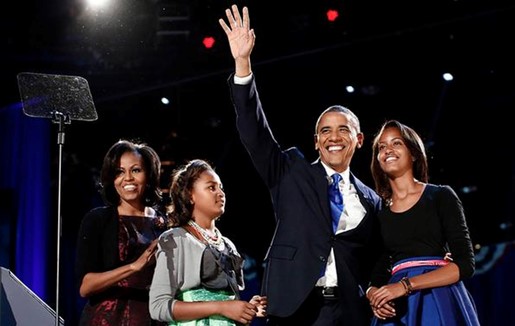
{"x": 335, "y": 199}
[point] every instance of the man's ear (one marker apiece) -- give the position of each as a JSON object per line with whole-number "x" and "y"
{"x": 316, "y": 141}
{"x": 361, "y": 137}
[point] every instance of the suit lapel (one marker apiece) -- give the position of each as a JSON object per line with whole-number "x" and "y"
{"x": 321, "y": 189}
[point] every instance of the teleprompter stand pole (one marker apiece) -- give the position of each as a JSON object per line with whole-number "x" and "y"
{"x": 61, "y": 120}
{"x": 61, "y": 99}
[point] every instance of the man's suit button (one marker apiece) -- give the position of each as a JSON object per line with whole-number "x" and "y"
{"x": 322, "y": 258}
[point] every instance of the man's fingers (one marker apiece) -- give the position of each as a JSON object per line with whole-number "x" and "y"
{"x": 246, "y": 17}
{"x": 236, "y": 16}
{"x": 224, "y": 25}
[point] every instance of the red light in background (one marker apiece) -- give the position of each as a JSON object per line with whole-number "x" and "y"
{"x": 208, "y": 42}
{"x": 332, "y": 14}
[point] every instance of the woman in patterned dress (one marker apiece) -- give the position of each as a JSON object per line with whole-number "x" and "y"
{"x": 116, "y": 243}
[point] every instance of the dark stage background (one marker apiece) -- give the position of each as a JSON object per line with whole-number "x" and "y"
{"x": 394, "y": 54}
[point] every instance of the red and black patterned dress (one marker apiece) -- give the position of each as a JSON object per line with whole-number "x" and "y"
{"x": 126, "y": 304}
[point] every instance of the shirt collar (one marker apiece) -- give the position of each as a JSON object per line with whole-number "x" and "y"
{"x": 345, "y": 174}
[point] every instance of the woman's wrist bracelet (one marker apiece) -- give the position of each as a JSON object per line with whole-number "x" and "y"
{"x": 404, "y": 286}
{"x": 407, "y": 285}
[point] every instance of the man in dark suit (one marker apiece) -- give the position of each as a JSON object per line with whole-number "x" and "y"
{"x": 314, "y": 275}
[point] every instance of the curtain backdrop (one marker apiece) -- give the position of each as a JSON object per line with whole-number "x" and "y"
{"x": 25, "y": 174}
{"x": 492, "y": 285}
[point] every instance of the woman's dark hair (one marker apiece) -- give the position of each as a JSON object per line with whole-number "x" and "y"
{"x": 151, "y": 164}
{"x": 416, "y": 148}
{"x": 182, "y": 180}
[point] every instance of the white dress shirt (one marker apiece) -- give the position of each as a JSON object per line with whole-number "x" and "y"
{"x": 352, "y": 215}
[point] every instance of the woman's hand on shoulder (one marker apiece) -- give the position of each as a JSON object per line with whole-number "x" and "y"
{"x": 147, "y": 257}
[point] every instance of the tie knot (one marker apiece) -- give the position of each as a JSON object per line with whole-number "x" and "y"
{"x": 336, "y": 178}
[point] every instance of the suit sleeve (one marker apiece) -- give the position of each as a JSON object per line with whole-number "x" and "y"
{"x": 255, "y": 132}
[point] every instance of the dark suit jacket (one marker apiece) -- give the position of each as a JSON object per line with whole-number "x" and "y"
{"x": 303, "y": 236}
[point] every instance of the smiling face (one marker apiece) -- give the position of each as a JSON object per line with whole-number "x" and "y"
{"x": 397, "y": 151}
{"x": 393, "y": 155}
{"x": 131, "y": 179}
{"x": 208, "y": 196}
{"x": 336, "y": 139}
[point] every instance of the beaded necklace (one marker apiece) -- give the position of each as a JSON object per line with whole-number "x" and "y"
{"x": 215, "y": 241}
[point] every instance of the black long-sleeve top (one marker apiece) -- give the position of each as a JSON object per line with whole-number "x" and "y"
{"x": 434, "y": 226}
